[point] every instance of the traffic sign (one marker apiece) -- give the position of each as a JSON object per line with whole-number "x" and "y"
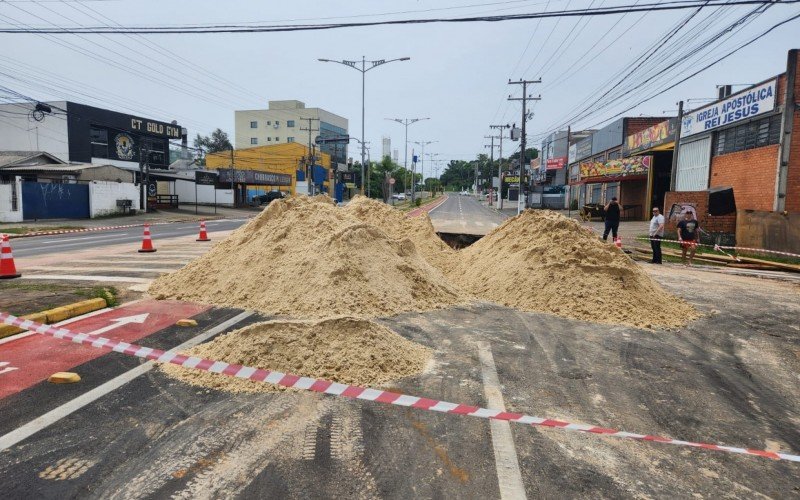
{"x": 391, "y": 180}
{"x": 336, "y": 139}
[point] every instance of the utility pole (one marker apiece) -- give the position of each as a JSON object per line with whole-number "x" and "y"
{"x": 525, "y": 98}
{"x": 491, "y": 154}
{"x": 406, "y": 122}
{"x": 500, "y": 164}
{"x": 673, "y": 175}
{"x": 310, "y": 159}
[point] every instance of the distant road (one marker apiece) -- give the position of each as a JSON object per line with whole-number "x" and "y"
{"x": 65, "y": 243}
{"x": 461, "y": 214}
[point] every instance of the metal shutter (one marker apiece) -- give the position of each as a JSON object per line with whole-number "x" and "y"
{"x": 693, "y": 162}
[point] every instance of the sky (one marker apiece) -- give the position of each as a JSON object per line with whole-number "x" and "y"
{"x": 457, "y": 76}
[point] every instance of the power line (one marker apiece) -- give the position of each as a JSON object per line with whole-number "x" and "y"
{"x": 239, "y": 28}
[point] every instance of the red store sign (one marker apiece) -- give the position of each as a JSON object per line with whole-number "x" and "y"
{"x": 556, "y": 163}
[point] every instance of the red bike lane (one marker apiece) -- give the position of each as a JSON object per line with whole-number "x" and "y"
{"x": 27, "y": 361}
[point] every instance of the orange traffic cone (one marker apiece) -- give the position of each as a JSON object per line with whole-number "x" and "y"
{"x": 7, "y": 268}
{"x": 147, "y": 243}
{"x": 203, "y": 234}
{"x": 618, "y": 243}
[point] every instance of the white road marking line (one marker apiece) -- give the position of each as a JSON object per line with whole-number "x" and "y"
{"x": 85, "y": 238}
{"x": 509, "y": 477}
{"x": 53, "y": 416}
{"x": 103, "y": 268}
{"x": 81, "y": 277}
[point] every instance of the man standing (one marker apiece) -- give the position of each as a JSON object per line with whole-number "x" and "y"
{"x": 688, "y": 235}
{"x": 656, "y": 233}
{"x": 612, "y": 218}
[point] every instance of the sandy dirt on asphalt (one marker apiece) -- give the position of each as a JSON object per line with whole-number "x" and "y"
{"x": 344, "y": 349}
{"x": 304, "y": 257}
{"x": 545, "y": 262}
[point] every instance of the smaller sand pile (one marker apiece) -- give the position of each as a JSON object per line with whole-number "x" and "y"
{"x": 344, "y": 349}
{"x": 304, "y": 257}
{"x": 543, "y": 261}
{"x": 397, "y": 225}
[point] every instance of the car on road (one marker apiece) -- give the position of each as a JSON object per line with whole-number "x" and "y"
{"x": 265, "y": 199}
{"x": 399, "y": 196}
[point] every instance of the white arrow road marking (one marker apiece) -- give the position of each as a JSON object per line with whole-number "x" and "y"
{"x": 118, "y": 322}
{"x": 7, "y": 367}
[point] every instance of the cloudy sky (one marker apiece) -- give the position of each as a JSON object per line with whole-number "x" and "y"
{"x": 457, "y": 74}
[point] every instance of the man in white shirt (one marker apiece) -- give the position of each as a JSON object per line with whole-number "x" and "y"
{"x": 656, "y": 233}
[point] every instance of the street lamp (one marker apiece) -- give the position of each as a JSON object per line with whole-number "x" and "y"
{"x": 431, "y": 158}
{"x": 406, "y": 122}
{"x": 422, "y": 167}
{"x": 363, "y": 69}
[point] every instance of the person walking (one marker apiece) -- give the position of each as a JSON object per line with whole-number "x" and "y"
{"x": 656, "y": 233}
{"x": 688, "y": 236}
{"x": 612, "y": 219}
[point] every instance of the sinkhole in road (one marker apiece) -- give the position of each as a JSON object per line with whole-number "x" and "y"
{"x": 458, "y": 241}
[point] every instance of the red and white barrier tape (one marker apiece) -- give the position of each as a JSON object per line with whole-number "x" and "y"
{"x": 90, "y": 229}
{"x": 355, "y": 392}
{"x": 719, "y": 248}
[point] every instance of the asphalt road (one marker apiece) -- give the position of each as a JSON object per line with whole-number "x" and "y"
{"x": 42, "y": 245}
{"x": 464, "y": 215}
{"x": 729, "y": 377}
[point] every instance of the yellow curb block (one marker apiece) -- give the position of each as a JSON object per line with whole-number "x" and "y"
{"x": 64, "y": 378}
{"x": 55, "y": 315}
{"x": 186, "y": 322}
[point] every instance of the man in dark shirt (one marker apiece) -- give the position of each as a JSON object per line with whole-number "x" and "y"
{"x": 688, "y": 235}
{"x": 612, "y": 218}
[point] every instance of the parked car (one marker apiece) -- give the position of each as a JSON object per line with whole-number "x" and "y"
{"x": 401, "y": 196}
{"x": 265, "y": 199}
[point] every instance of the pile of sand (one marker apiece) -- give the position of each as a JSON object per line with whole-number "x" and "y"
{"x": 345, "y": 349}
{"x": 305, "y": 257}
{"x": 542, "y": 261}
{"x": 398, "y": 226}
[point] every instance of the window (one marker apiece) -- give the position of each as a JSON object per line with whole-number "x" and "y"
{"x": 277, "y": 139}
{"x": 595, "y": 193}
{"x": 253, "y": 124}
{"x": 269, "y": 123}
{"x": 750, "y": 135}
{"x": 290, "y": 123}
{"x": 600, "y": 158}
{"x": 614, "y": 155}
{"x": 99, "y": 140}
{"x": 269, "y": 139}
{"x": 612, "y": 191}
{"x": 254, "y": 140}
{"x": 290, "y": 139}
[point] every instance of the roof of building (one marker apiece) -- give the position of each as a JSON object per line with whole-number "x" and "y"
{"x": 64, "y": 167}
{"x": 26, "y": 158}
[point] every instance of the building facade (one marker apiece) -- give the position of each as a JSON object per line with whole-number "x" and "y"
{"x": 283, "y": 122}
{"x": 386, "y": 146}
{"x": 79, "y": 133}
{"x": 599, "y": 169}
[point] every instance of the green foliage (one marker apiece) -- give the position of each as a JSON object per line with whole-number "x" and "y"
{"x": 214, "y": 143}
{"x": 573, "y": 205}
{"x": 418, "y": 201}
{"x": 99, "y": 292}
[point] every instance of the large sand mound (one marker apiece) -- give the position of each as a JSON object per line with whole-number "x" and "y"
{"x": 344, "y": 349}
{"x": 398, "y": 226}
{"x": 543, "y": 261}
{"x": 306, "y": 257}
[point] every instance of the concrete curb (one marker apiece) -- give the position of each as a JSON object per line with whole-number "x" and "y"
{"x": 57, "y": 314}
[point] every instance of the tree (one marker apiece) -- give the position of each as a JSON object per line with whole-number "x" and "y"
{"x": 216, "y": 142}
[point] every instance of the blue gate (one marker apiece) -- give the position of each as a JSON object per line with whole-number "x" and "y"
{"x": 54, "y": 201}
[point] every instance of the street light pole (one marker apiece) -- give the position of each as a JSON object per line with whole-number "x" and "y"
{"x": 406, "y": 122}
{"x": 422, "y": 167}
{"x": 363, "y": 70}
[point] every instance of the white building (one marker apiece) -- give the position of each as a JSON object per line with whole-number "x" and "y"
{"x": 396, "y": 155}
{"x": 283, "y": 122}
{"x": 387, "y": 147}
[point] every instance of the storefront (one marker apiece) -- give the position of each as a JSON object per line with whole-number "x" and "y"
{"x": 657, "y": 141}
